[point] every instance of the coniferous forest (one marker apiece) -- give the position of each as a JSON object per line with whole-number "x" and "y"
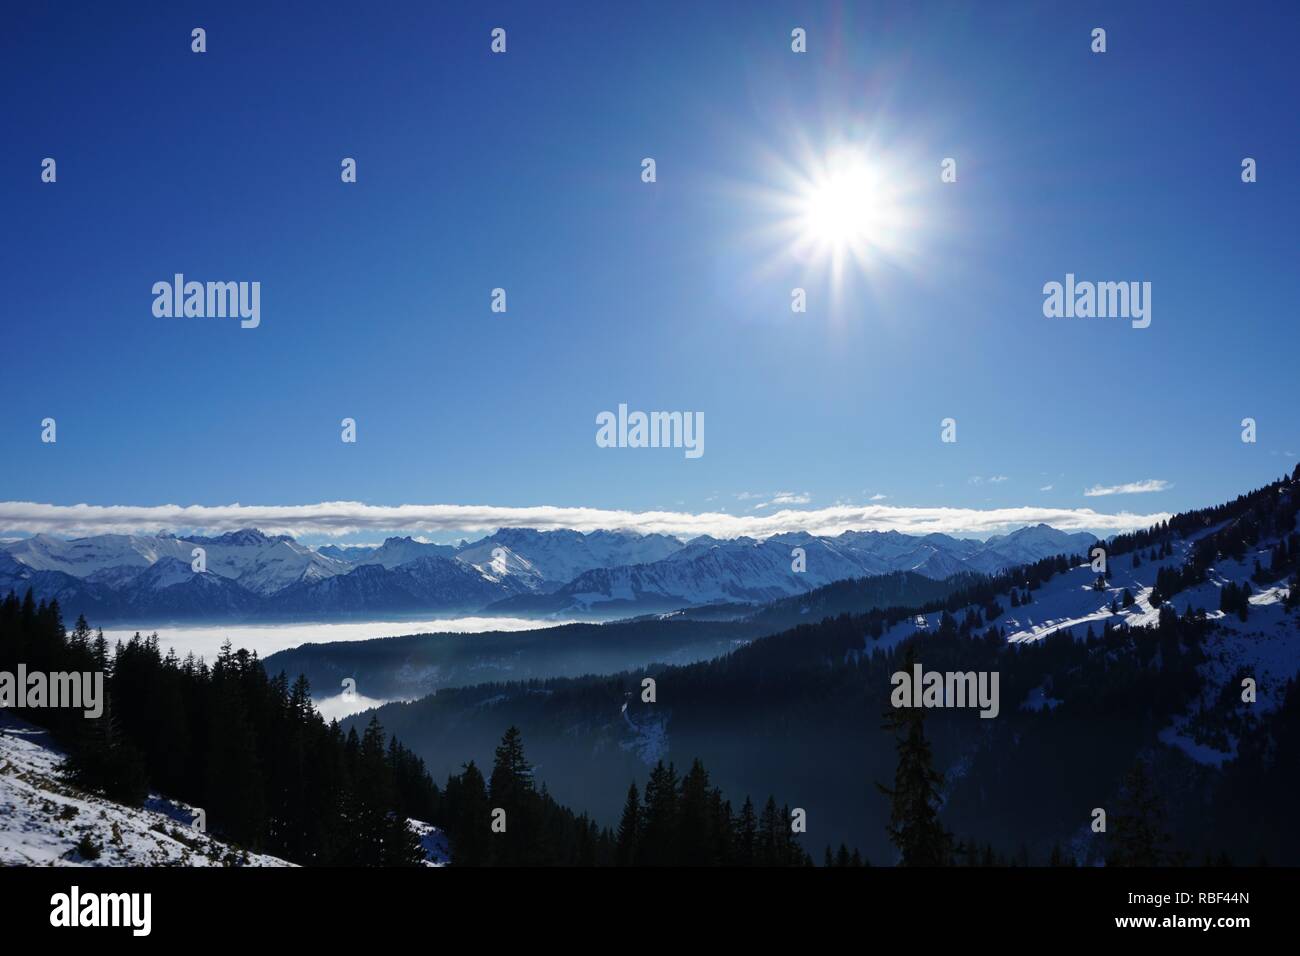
{"x": 274, "y": 777}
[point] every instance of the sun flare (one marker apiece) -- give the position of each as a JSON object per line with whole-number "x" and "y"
{"x": 844, "y": 206}
{"x": 850, "y": 211}
{"x": 847, "y": 215}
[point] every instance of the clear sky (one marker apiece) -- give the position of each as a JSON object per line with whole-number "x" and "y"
{"x": 523, "y": 170}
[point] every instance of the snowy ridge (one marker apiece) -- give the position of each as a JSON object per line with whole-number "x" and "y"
{"x": 1266, "y": 645}
{"x": 253, "y": 576}
{"x": 744, "y": 570}
{"x": 43, "y": 818}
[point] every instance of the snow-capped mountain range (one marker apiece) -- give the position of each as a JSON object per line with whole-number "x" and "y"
{"x": 250, "y": 575}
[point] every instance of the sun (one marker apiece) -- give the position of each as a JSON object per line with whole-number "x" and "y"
{"x": 844, "y": 206}
{"x": 848, "y": 214}
{"x": 849, "y": 211}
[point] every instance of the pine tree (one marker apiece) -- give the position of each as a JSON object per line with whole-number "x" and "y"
{"x": 914, "y": 826}
{"x": 1138, "y": 837}
{"x": 769, "y": 835}
{"x": 695, "y": 840}
{"x": 511, "y": 789}
{"x": 629, "y": 829}
{"x": 659, "y": 835}
{"x": 103, "y": 760}
{"x": 747, "y": 835}
{"x": 471, "y": 833}
{"x": 79, "y": 639}
{"x": 724, "y": 852}
{"x": 100, "y": 650}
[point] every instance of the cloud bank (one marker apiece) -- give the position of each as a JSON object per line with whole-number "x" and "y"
{"x": 1132, "y": 488}
{"x": 339, "y": 518}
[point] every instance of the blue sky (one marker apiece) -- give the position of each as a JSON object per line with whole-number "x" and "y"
{"x": 522, "y": 171}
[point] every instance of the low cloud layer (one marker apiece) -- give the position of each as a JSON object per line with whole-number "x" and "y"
{"x": 339, "y": 518}
{"x": 1132, "y": 488}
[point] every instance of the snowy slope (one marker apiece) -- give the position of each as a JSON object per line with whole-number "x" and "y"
{"x": 708, "y": 570}
{"x": 433, "y": 842}
{"x": 398, "y": 551}
{"x": 42, "y": 818}
{"x": 350, "y": 553}
{"x": 556, "y": 557}
{"x": 513, "y": 572}
{"x": 257, "y": 562}
{"x": 1266, "y": 646}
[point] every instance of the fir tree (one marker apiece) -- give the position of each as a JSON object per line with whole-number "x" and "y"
{"x": 471, "y": 833}
{"x": 914, "y": 826}
{"x": 1138, "y": 837}
{"x": 511, "y": 789}
{"x": 629, "y": 829}
{"x": 747, "y": 835}
{"x": 695, "y": 841}
{"x": 658, "y": 843}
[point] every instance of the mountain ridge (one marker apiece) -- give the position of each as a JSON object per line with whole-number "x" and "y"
{"x": 255, "y": 576}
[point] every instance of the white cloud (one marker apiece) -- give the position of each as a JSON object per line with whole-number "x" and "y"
{"x": 338, "y": 518}
{"x": 1132, "y": 488}
{"x": 785, "y": 498}
{"x": 879, "y": 497}
{"x": 1046, "y": 488}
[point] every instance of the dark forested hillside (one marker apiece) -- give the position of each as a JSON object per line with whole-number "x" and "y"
{"x": 419, "y": 664}
{"x": 248, "y": 748}
{"x": 799, "y": 712}
{"x": 272, "y": 776}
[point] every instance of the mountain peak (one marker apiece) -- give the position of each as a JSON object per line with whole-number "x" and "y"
{"x": 242, "y": 537}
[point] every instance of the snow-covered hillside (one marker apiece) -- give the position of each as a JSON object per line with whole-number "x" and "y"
{"x": 1266, "y": 646}
{"x": 433, "y": 841}
{"x": 46, "y": 822}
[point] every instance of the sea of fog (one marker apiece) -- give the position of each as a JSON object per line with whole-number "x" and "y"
{"x": 266, "y": 639}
